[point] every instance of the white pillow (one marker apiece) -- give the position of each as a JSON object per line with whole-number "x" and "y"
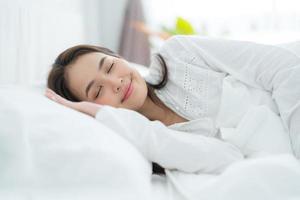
{"x": 48, "y": 145}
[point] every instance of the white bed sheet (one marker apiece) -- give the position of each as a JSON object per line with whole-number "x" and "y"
{"x": 269, "y": 178}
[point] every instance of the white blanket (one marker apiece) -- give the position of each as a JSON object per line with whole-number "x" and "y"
{"x": 269, "y": 178}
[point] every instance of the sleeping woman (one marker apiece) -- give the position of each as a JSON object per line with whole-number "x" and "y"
{"x": 195, "y": 86}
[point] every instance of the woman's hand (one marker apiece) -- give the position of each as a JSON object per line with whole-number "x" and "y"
{"x": 86, "y": 107}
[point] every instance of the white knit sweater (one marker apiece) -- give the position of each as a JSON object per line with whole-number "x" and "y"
{"x": 213, "y": 82}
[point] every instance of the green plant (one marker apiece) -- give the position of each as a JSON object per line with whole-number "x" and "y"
{"x": 182, "y": 27}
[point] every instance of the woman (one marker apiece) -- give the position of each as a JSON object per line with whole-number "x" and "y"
{"x": 195, "y": 84}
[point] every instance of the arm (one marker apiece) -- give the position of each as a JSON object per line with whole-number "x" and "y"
{"x": 169, "y": 148}
{"x": 255, "y": 64}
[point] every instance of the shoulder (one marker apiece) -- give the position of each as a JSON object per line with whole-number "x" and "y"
{"x": 169, "y": 52}
{"x": 176, "y": 52}
{"x": 173, "y": 47}
{"x": 174, "y": 41}
{"x": 184, "y": 44}
{"x": 183, "y": 40}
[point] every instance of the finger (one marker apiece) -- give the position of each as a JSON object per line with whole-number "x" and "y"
{"x": 50, "y": 91}
{"x": 59, "y": 99}
{"x": 52, "y": 95}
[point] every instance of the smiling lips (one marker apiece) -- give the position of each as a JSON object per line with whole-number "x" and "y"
{"x": 128, "y": 92}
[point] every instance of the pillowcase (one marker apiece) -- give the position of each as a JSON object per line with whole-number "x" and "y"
{"x": 45, "y": 144}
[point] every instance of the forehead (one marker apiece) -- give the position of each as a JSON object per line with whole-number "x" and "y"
{"x": 82, "y": 71}
{"x": 87, "y": 59}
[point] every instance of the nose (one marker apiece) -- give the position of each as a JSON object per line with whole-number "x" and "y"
{"x": 117, "y": 84}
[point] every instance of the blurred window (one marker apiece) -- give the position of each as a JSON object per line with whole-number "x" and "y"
{"x": 265, "y": 21}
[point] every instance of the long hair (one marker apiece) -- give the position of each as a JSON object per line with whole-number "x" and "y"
{"x": 58, "y": 83}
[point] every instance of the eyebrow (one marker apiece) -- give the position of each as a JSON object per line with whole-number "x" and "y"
{"x": 92, "y": 82}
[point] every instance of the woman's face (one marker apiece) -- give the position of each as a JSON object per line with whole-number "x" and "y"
{"x": 106, "y": 80}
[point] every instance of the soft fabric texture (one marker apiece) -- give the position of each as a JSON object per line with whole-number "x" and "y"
{"x": 47, "y": 148}
{"x": 173, "y": 150}
{"x": 51, "y": 152}
{"x": 272, "y": 178}
{"x": 216, "y": 81}
{"x": 259, "y": 133}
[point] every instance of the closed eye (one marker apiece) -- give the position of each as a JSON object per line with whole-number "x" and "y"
{"x": 98, "y": 92}
{"x": 111, "y": 66}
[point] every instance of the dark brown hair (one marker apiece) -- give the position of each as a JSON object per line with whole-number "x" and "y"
{"x": 57, "y": 77}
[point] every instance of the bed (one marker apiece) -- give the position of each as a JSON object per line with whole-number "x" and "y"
{"x": 48, "y": 151}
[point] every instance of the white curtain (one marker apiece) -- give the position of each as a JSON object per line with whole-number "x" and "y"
{"x": 32, "y": 33}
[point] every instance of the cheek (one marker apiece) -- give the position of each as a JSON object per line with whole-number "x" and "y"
{"x": 103, "y": 101}
{"x": 106, "y": 99}
{"x": 140, "y": 91}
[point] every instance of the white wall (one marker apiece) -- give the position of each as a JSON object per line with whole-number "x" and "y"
{"x": 33, "y": 33}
